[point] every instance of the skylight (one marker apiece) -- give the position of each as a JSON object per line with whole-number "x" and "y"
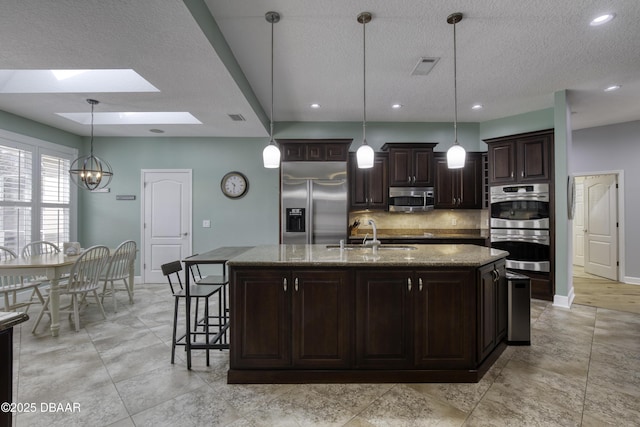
{"x": 133, "y": 118}
{"x": 73, "y": 81}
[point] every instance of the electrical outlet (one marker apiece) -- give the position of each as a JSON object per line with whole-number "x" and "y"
{"x": 206, "y": 223}
{"x": 454, "y": 221}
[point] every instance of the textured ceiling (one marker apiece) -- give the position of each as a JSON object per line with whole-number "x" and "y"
{"x": 512, "y": 57}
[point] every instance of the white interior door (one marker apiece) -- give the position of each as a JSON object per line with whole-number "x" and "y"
{"x": 166, "y": 220}
{"x": 578, "y": 223}
{"x": 601, "y": 231}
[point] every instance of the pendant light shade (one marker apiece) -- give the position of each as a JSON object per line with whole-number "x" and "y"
{"x": 364, "y": 154}
{"x": 90, "y": 172}
{"x": 456, "y": 154}
{"x": 271, "y": 153}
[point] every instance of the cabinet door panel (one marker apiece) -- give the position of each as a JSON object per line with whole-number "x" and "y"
{"x": 487, "y": 325}
{"x": 260, "y": 315}
{"x": 444, "y": 313}
{"x": 358, "y": 188}
{"x": 533, "y": 155}
{"x": 423, "y": 168}
{"x": 378, "y": 182}
{"x": 400, "y": 167}
{"x": 470, "y": 193}
{"x": 383, "y": 313}
{"x": 502, "y": 302}
{"x": 321, "y": 325}
{"x": 445, "y": 181}
{"x": 502, "y": 163}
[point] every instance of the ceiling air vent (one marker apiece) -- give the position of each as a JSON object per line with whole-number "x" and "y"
{"x": 237, "y": 117}
{"x": 424, "y": 66}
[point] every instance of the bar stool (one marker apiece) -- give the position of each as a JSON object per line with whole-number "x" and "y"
{"x": 197, "y": 292}
{"x": 215, "y": 280}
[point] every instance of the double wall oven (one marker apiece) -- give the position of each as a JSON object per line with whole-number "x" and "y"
{"x": 520, "y": 225}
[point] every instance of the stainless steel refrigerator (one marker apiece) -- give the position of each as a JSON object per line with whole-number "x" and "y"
{"x": 313, "y": 202}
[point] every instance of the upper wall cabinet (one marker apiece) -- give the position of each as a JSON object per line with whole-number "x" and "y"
{"x": 314, "y": 150}
{"x": 368, "y": 188}
{"x": 410, "y": 165}
{"x": 458, "y": 188}
{"x": 525, "y": 157}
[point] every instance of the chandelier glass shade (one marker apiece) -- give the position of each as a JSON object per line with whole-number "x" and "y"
{"x": 90, "y": 172}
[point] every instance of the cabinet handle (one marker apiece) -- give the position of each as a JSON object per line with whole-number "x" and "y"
{"x": 522, "y": 174}
{"x": 409, "y": 284}
{"x": 409, "y": 180}
{"x": 511, "y": 174}
{"x": 420, "y": 284}
{"x": 295, "y": 284}
{"x": 284, "y": 284}
{"x": 414, "y": 179}
{"x": 454, "y": 201}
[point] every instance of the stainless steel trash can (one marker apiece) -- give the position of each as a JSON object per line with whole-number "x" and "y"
{"x": 519, "y": 311}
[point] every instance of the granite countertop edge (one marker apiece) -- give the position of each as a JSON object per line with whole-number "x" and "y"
{"x": 319, "y": 256}
{"x": 10, "y": 319}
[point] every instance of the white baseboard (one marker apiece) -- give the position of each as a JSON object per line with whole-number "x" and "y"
{"x": 562, "y": 301}
{"x": 632, "y": 280}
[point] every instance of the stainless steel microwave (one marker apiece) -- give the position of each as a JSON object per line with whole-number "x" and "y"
{"x": 411, "y": 199}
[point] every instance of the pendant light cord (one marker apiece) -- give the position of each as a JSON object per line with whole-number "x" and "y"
{"x": 92, "y": 105}
{"x": 455, "y": 89}
{"x": 364, "y": 81}
{"x": 271, "y": 124}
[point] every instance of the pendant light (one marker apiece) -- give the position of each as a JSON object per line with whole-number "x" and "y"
{"x": 271, "y": 153}
{"x": 90, "y": 172}
{"x": 456, "y": 154}
{"x": 364, "y": 154}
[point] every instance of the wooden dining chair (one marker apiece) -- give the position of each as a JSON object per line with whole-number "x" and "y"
{"x": 11, "y": 286}
{"x": 84, "y": 279}
{"x": 118, "y": 270}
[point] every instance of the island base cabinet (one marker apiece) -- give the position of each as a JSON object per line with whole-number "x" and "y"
{"x": 415, "y": 319}
{"x": 444, "y": 326}
{"x": 285, "y": 319}
{"x": 260, "y": 319}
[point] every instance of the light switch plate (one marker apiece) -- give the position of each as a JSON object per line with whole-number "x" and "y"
{"x": 206, "y": 223}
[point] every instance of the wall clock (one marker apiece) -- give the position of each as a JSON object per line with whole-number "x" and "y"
{"x": 234, "y": 185}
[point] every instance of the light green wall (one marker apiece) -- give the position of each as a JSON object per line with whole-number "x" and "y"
{"x": 22, "y": 126}
{"x": 562, "y": 145}
{"x": 252, "y": 219}
{"x": 513, "y": 125}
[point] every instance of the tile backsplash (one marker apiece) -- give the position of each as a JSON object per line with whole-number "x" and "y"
{"x": 449, "y": 219}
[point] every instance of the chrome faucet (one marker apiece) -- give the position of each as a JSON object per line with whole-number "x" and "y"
{"x": 374, "y": 243}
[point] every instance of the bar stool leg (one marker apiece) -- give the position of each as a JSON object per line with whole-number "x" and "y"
{"x": 206, "y": 326}
{"x": 175, "y": 326}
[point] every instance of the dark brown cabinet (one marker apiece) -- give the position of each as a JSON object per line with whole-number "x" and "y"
{"x": 414, "y": 319}
{"x": 459, "y": 188}
{"x": 521, "y": 158}
{"x": 368, "y": 188}
{"x": 291, "y": 319}
{"x": 294, "y": 150}
{"x": 410, "y": 165}
{"x": 492, "y": 308}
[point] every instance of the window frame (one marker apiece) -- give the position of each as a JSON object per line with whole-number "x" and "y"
{"x": 39, "y": 147}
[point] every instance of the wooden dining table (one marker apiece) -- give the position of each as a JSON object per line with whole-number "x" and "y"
{"x": 53, "y": 266}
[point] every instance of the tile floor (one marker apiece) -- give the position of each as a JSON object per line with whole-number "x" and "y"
{"x": 582, "y": 369}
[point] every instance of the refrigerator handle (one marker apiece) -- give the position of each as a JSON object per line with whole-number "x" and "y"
{"x": 310, "y": 224}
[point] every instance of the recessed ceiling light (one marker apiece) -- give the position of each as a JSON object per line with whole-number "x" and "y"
{"x": 314, "y": 105}
{"x": 156, "y": 130}
{"x": 73, "y": 81}
{"x": 612, "y": 88}
{"x": 134, "y": 118}
{"x": 477, "y": 107}
{"x": 602, "y": 19}
{"x": 396, "y": 106}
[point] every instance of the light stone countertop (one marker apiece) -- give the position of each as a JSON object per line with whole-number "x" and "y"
{"x": 322, "y": 256}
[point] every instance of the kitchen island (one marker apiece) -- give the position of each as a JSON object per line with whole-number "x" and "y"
{"x": 319, "y": 313}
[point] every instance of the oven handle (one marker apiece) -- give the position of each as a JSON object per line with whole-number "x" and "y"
{"x": 501, "y": 198}
{"x": 527, "y": 239}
